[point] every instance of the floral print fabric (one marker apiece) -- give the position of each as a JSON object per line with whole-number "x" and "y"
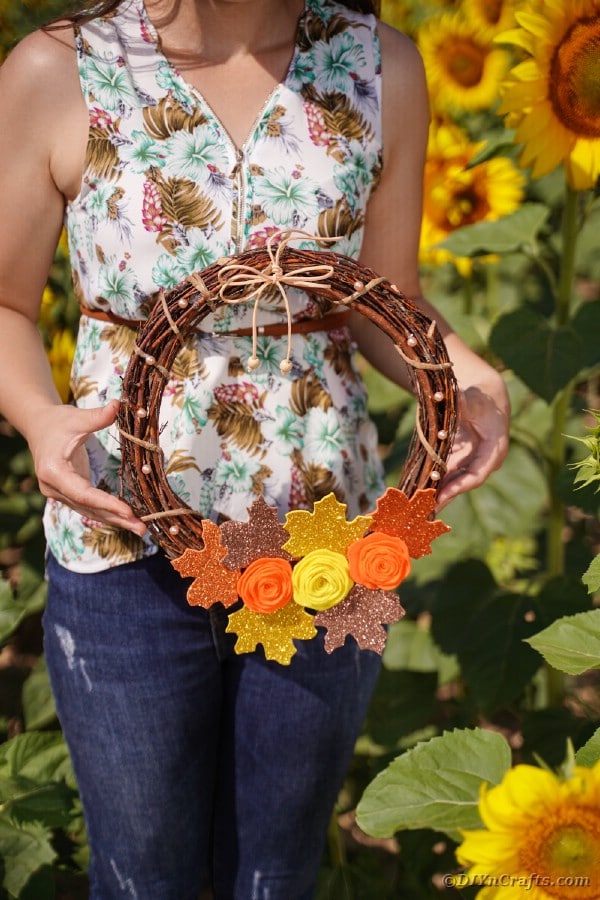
{"x": 165, "y": 193}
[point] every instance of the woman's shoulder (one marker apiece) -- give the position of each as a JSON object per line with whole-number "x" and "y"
{"x": 41, "y": 64}
{"x": 42, "y": 107}
{"x": 403, "y": 74}
{"x": 400, "y": 55}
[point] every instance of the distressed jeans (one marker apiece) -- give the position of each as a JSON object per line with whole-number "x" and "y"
{"x": 196, "y": 765}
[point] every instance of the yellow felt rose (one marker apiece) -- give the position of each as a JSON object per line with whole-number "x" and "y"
{"x": 321, "y": 579}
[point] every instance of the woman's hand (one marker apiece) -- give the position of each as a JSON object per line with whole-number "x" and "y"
{"x": 61, "y": 462}
{"x": 482, "y": 438}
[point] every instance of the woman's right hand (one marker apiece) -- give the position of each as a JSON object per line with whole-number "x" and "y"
{"x": 57, "y": 444}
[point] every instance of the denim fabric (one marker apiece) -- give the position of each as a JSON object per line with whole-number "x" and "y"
{"x": 195, "y": 763}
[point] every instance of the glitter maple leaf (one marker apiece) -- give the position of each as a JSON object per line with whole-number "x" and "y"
{"x": 275, "y": 631}
{"x": 409, "y": 519}
{"x": 362, "y": 615}
{"x": 262, "y": 535}
{"x": 213, "y": 582}
{"x": 325, "y": 528}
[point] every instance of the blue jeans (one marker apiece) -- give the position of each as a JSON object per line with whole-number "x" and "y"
{"x": 196, "y": 764}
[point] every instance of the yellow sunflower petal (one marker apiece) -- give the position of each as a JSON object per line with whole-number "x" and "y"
{"x": 524, "y": 788}
{"x": 583, "y": 164}
{"x": 486, "y": 851}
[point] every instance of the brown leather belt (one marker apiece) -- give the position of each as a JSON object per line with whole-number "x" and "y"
{"x": 275, "y": 329}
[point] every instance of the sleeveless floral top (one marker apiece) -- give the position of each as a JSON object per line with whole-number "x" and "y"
{"x": 165, "y": 193}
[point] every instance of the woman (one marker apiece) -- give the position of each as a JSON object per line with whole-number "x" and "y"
{"x": 147, "y": 127}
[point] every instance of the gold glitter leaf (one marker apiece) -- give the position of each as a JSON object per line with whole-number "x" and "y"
{"x": 409, "y": 519}
{"x": 213, "y": 582}
{"x": 262, "y": 535}
{"x": 361, "y": 615}
{"x": 325, "y": 528}
{"x": 275, "y": 631}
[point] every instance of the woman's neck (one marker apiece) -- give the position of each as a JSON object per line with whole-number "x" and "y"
{"x": 215, "y": 31}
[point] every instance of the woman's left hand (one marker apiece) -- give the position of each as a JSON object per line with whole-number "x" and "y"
{"x": 482, "y": 438}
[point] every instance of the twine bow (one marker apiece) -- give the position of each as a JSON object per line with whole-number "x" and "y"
{"x": 241, "y": 283}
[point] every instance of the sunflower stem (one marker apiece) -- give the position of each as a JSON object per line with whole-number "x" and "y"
{"x": 556, "y": 556}
{"x": 491, "y": 271}
{"x": 555, "y": 680}
{"x": 467, "y": 283}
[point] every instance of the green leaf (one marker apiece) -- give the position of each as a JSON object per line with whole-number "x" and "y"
{"x": 24, "y": 800}
{"x": 510, "y": 502}
{"x": 547, "y": 734}
{"x": 545, "y": 358}
{"x": 508, "y": 235}
{"x": 39, "y": 756}
{"x": 572, "y": 643}
{"x": 410, "y": 646}
{"x": 15, "y": 606}
{"x": 591, "y": 578}
{"x": 589, "y": 754}
{"x": 486, "y": 628}
{"x": 586, "y": 323}
{"x": 403, "y": 702}
{"x": 435, "y": 784}
{"x": 500, "y": 145}
{"x": 39, "y": 710}
{"x": 25, "y": 850}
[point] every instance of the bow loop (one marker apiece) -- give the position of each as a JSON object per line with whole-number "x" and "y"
{"x": 241, "y": 283}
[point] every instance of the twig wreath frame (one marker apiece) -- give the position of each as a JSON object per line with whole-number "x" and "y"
{"x": 281, "y": 581}
{"x": 332, "y": 276}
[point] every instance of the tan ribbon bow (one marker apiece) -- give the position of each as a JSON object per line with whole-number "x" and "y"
{"x": 253, "y": 282}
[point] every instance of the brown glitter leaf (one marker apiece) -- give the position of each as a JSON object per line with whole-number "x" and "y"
{"x": 214, "y": 583}
{"x": 409, "y": 519}
{"x": 362, "y": 616}
{"x": 275, "y": 631}
{"x": 262, "y": 535}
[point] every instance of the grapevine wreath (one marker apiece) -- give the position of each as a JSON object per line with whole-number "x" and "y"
{"x": 279, "y": 580}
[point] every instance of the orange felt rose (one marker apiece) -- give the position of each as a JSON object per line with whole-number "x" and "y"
{"x": 379, "y": 561}
{"x": 266, "y": 585}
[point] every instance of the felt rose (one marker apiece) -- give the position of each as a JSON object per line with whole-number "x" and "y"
{"x": 266, "y": 585}
{"x": 321, "y": 579}
{"x": 379, "y": 561}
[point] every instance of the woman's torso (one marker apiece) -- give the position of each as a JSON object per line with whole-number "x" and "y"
{"x": 166, "y": 191}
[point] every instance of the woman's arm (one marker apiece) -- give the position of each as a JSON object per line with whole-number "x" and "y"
{"x": 391, "y": 246}
{"x": 42, "y": 147}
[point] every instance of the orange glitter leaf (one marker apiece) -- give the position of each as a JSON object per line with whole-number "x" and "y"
{"x": 214, "y": 583}
{"x": 409, "y": 519}
{"x": 276, "y": 631}
{"x": 325, "y": 528}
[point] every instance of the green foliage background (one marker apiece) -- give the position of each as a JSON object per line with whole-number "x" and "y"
{"x": 472, "y": 677}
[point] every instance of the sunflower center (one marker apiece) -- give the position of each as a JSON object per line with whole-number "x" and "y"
{"x": 566, "y": 853}
{"x": 493, "y": 10}
{"x": 464, "y": 62}
{"x": 575, "y": 78}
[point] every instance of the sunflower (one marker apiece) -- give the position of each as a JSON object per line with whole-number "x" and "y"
{"x": 553, "y": 95}
{"x": 60, "y": 355}
{"x": 541, "y": 836}
{"x": 492, "y": 16}
{"x": 456, "y": 195}
{"x": 464, "y": 68}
